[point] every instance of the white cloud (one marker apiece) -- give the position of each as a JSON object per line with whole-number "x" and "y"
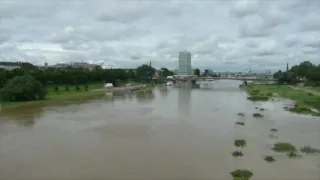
{"x": 223, "y": 35}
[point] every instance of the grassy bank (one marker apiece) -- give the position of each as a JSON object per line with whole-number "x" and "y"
{"x": 304, "y": 100}
{"x": 61, "y": 95}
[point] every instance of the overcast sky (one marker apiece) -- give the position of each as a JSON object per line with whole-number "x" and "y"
{"x": 222, "y": 35}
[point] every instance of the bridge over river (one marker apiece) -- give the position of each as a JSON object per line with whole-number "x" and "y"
{"x": 194, "y": 78}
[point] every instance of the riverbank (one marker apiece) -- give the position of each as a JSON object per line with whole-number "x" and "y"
{"x": 305, "y": 102}
{"x": 72, "y": 93}
{"x": 62, "y": 93}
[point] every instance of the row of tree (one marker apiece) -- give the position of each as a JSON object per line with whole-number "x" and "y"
{"x": 143, "y": 73}
{"x": 27, "y": 84}
{"x": 305, "y": 71}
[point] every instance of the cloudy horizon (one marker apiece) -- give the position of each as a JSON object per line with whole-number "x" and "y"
{"x": 223, "y": 35}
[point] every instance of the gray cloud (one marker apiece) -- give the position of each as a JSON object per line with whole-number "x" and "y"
{"x": 223, "y": 35}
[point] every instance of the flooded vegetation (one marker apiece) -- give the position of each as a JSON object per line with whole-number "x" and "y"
{"x": 240, "y": 123}
{"x": 309, "y": 150}
{"x": 284, "y": 147}
{"x": 257, "y": 115}
{"x": 241, "y": 174}
{"x": 269, "y": 159}
{"x": 240, "y": 143}
{"x": 274, "y": 130}
{"x": 168, "y": 133}
{"x": 237, "y": 154}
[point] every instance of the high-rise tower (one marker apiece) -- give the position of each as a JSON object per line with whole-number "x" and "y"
{"x": 185, "y": 63}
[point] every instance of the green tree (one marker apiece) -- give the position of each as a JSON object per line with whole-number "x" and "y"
{"x": 66, "y": 88}
{"x": 145, "y": 72}
{"x": 22, "y": 88}
{"x": 277, "y": 75}
{"x": 165, "y": 72}
{"x": 56, "y": 89}
{"x": 197, "y": 72}
{"x": 131, "y": 74}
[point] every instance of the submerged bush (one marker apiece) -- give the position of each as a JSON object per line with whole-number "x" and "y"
{"x": 240, "y": 123}
{"x": 298, "y": 109}
{"x": 283, "y": 147}
{"x": 293, "y": 154}
{"x": 257, "y": 115}
{"x": 240, "y": 114}
{"x": 258, "y": 98}
{"x": 273, "y": 136}
{"x": 274, "y": 130}
{"x": 237, "y": 154}
{"x": 269, "y": 159}
{"x": 240, "y": 143}
{"x": 309, "y": 150}
{"x": 269, "y": 94}
{"x": 242, "y": 174}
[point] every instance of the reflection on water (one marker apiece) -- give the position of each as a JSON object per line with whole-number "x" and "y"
{"x": 146, "y": 96}
{"x": 184, "y": 100}
{"x": 169, "y": 133}
{"x": 163, "y": 91}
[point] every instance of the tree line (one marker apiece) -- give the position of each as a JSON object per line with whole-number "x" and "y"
{"x": 28, "y": 82}
{"x": 73, "y": 76}
{"x": 305, "y": 71}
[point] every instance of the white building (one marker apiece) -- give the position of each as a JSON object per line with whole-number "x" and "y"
{"x": 185, "y": 63}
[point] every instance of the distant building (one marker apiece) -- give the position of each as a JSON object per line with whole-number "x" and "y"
{"x": 185, "y": 63}
{"x": 208, "y": 72}
{"x": 10, "y": 65}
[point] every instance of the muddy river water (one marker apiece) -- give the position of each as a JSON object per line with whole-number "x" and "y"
{"x": 167, "y": 134}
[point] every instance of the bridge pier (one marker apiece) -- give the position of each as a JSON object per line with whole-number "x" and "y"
{"x": 193, "y": 82}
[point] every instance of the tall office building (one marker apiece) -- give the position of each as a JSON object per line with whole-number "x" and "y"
{"x": 185, "y": 63}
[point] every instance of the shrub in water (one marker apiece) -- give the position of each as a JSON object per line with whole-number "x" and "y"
{"x": 309, "y": 150}
{"x": 240, "y": 114}
{"x": 241, "y": 174}
{"x": 240, "y": 143}
{"x": 274, "y": 130}
{"x": 257, "y": 115}
{"x": 77, "y": 88}
{"x": 237, "y": 154}
{"x": 283, "y": 147}
{"x": 66, "y": 88}
{"x": 293, "y": 154}
{"x": 240, "y": 123}
{"x": 258, "y": 98}
{"x": 269, "y": 159}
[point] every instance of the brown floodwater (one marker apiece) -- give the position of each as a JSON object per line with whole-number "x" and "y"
{"x": 167, "y": 134}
